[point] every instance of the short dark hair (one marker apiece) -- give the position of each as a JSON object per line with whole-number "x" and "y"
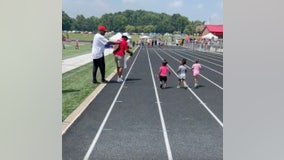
{"x": 164, "y": 62}
{"x": 183, "y": 61}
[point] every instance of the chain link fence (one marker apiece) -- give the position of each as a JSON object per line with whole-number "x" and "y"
{"x": 211, "y": 46}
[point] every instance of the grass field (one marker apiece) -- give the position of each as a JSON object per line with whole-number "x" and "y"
{"x": 70, "y": 50}
{"x": 77, "y": 84}
{"x": 79, "y": 36}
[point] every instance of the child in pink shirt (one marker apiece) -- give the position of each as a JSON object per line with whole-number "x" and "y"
{"x": 196, "y": 71}
{"x": 163, "y": 72}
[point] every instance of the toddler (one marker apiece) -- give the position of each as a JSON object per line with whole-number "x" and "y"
{"x": 182, "y": 74}
{"x": 196, "y": 70}
{"x": 163, "y": 72}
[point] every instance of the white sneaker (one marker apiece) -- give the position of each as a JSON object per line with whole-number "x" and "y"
{"x": 195, "y": 85}
{"x": 119, "y": 80}
{"x": 178, "y": 86}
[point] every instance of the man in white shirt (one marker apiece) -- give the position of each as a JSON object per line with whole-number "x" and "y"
{"x": 98, "y": 47}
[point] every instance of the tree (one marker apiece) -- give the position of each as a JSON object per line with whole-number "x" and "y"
{"x": 80, "y": 23}
{"x": 119, "y": 22}
{"x": 130, "y": 29}
{"x": 149, "y": 28}
{"x": 66, "y": 22}
{"x": 188, "y": 29}
{"x": 92, "y": 23}
{"x": 133, "y": 21}
{"x": 139, "y": 29}
{"x": 107, "y": 20}
{"x": 165, "y": 24}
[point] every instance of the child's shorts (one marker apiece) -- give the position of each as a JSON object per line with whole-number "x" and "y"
{"x": 119, "y": 61}
{"x": 180, "y": 77}
{"x": 163, "y": 78}
{"x": 195, "y": 74}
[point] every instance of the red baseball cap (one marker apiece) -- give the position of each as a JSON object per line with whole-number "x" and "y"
{"x": 102, "y": 28}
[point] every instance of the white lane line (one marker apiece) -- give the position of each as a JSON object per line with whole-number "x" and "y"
{"x": 205, "y": 106}
{"x": 193, "y": 61}
{"x": 199, "y": 74}
{"x": 206, "y": 54}
{"x": 198, "y": 55}
{"x": 92, "y": 146}
{"x": 213, "y": 55}
{"x": 168, "y": 147}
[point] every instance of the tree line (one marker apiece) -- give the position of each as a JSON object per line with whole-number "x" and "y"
{"x": 131, "y": 21}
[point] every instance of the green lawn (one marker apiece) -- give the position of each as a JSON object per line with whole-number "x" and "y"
{"x": 70, "y": 50}
{"x": 79, "y": 36}
{"x": 77, "y": 85}
{"x": 85, "y": 47}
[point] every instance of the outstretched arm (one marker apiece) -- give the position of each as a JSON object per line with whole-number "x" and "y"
{"x": 112, "y": 43}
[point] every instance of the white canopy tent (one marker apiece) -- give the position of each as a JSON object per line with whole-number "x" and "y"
{"x": 210, "y": 36}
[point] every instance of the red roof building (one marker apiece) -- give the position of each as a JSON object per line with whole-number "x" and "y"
{"x": 214, "y": 29}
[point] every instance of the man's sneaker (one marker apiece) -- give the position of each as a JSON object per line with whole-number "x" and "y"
{"x": 104, "y": 81}
{"x": 161, "y": 85}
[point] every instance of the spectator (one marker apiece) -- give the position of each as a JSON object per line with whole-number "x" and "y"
{"x": 77, "y": 45}
{"x": 99, "y": 43}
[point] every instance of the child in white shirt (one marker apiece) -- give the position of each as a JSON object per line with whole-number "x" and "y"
{"x": 182, "y": 74}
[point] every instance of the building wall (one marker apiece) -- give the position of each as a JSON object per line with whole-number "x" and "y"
{"x": 206, "y": 31}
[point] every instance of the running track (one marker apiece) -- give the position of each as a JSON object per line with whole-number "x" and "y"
{"x": 136, "y": 120}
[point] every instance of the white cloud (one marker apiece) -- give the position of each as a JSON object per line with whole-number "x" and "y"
{"x": 176, "y": 4}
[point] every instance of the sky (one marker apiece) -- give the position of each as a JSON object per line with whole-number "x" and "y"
{"x": 210, "y": 11}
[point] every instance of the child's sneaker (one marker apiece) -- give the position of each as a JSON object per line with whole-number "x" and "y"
{"x": 185, "y": 84}
{"x": 119, "y": 80}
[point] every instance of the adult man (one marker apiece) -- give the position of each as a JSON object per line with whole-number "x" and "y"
{"x": 98, "y": 47}
{"x": 119, "y": 55}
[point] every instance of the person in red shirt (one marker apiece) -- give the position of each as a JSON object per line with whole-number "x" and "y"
{"x": 119, "y": 55}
